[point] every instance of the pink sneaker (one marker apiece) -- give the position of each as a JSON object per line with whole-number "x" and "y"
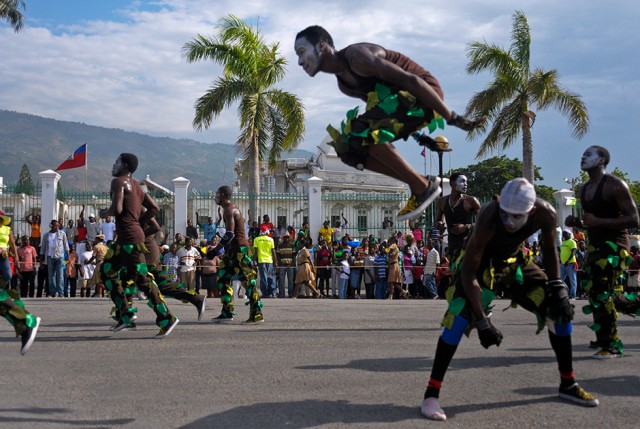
{"x": 431, "y": 410}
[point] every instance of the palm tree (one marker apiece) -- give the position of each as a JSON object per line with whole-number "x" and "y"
{"x": 271, "y": 120}
{"x": 507, "y": 99}
{"x": 10, "y": 11}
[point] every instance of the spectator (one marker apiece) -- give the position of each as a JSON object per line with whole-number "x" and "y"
{"x": 581, "y": 259}
{"x": 266, "y": 256}
{"x": 408, "y": 261}
{"x": 369, "y": 273}
{"x": 305, "y": 270}
{"x": 71, "y": 232}
{"x": 338, "y": 232}
{"x": 266, "y": 223}
{"x": 7, "y": 248}
{"x": 108, "y": 229}
{"x": 171, "y": 262}
{"x": 210, "y": 274}
{"x": 178, "y": 240}
{"x": 286, "y": 269}
{"x": 436, "y": 238}
{"x": 432, "y": 260}
{"x": 72, "y": 272}
{"x": 394, "y": 274}
{"x": 385, "y": 232}
{"x": 93, "y": 228}
{"x": 417, "y": 232}
{"x": 325, "y": 233}
{"x": 192, "y": 231}
{"x": 98, "y": 256}
{"x": 568, "y": 262}
{"x": 380, "y": 263}
{"x": 280, "y": 231}
{"x": 87, "y": 269}
{"x": 210, "y": 228}
{"x": 336, "y": 260}
{"x": 188, "y": 256}
{"x": 323, "y": 265}
{"x": 27, "y": 259}
{"x": 345, "y": 270}
{"x": 54, "y": 246}
{"x": 34, "y": 222}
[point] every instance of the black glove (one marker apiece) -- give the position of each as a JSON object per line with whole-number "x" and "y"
{"x": 464, "y": 123}
{"x": 560, "y": 308}
{"x": 488, "y": 333}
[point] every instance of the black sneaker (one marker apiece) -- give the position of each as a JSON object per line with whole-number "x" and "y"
{"x": 258, "y": 318}
{"x": 201, "y": 308}
{"x": 418, "y": 203}
{"x": 121, "y": 326}
{"x": 28, "y": 336}
{"x": 575, "y": 393}
{"x": 222, "y": 319}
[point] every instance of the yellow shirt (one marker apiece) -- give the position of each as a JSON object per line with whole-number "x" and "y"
{"x": 5, "y": 232}
{"x": 327, "y": 234}
{"x": 264, "y": 249}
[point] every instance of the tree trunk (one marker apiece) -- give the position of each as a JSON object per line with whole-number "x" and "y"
{"x": 527, "y": 149}
{"x": 254, "y": 178}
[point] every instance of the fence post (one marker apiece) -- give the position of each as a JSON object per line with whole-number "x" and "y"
{"x": 563, "y": 209}
{"x": 180, "y": 186}
{"x": 314, "y": 189}
{"x": 49, "y": 180}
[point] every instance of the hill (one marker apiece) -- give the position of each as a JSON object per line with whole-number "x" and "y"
{"x": 43, "y": 144}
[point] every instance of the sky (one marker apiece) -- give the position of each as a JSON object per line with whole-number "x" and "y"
{"x": 119, "y": 64}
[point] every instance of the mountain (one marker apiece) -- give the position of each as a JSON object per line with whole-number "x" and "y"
{"x": 43, "y": 144}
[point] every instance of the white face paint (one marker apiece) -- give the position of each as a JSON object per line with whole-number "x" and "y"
{"x": 217, "y": 198}
{"x": 590, "y": 159}
{"x": 513, "y": 222}
{"x": 117, "y": 168}
{"x": 462, "y": 184}
{"x": 308, "y": 56}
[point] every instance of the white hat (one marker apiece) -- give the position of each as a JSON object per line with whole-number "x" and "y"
{"x": 92, "y": 215}
{"x": 165, "y": 247}
{"x": 518, "y": 196}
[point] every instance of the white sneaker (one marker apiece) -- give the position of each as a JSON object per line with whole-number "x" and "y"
{"x": 431, "y": 410}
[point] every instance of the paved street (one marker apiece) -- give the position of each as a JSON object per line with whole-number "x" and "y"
{"x": 313, "y": 363}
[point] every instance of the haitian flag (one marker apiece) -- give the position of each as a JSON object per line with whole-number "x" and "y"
{"x": 424, "y": 152}
{"x": 77, "y": 159}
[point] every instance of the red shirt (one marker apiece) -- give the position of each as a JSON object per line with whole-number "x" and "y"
{"x": 27, "y": 257}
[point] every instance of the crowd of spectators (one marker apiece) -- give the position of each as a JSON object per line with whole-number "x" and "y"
{"x": 290, "y": 263}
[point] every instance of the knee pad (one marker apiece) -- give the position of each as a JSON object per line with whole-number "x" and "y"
{"x": 454, "y": 335}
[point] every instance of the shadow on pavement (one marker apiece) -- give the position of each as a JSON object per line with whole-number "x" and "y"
{"x": 30, "y": 417}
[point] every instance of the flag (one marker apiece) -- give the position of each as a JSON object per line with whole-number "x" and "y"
{"x": 77, "y": 159}
{"x": 424, "y": 152}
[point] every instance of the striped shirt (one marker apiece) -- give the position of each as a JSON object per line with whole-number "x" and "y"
{"x": 380, "y": 262}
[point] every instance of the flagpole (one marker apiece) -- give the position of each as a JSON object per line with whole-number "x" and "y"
{"x": 86, "y": 163}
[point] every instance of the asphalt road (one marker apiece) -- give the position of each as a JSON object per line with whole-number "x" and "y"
{"x": 312, "y": 364}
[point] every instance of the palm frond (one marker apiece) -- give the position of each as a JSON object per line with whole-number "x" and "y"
{"x": 505, "y": 128}
{"x": 546, "y": 92}
{"x": 224, "y": 92}
{"x": 521, "y": 41}
{"x": 10, "y": 11}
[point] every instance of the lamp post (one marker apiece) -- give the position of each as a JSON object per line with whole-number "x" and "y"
{"x": 442, "y": 146}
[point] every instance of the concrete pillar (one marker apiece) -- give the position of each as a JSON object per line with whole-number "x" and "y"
{"x": 49, "y": 180}
{"x": 314, "y": 189}
{"x": 180, "y": 186}
{"x": 564, "y": 210}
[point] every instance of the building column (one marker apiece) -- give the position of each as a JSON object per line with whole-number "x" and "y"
{"x": 563, "y": 197}
{"x": 49, "y": 211}
{"x": 180, "y": 187}
{"x": 314, "y": 194}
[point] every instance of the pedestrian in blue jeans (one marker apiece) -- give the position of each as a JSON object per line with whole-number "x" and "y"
{"x": 53, "y": 247}
{"x": 345, "y": 271}
{"x": 380, "y": 264}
